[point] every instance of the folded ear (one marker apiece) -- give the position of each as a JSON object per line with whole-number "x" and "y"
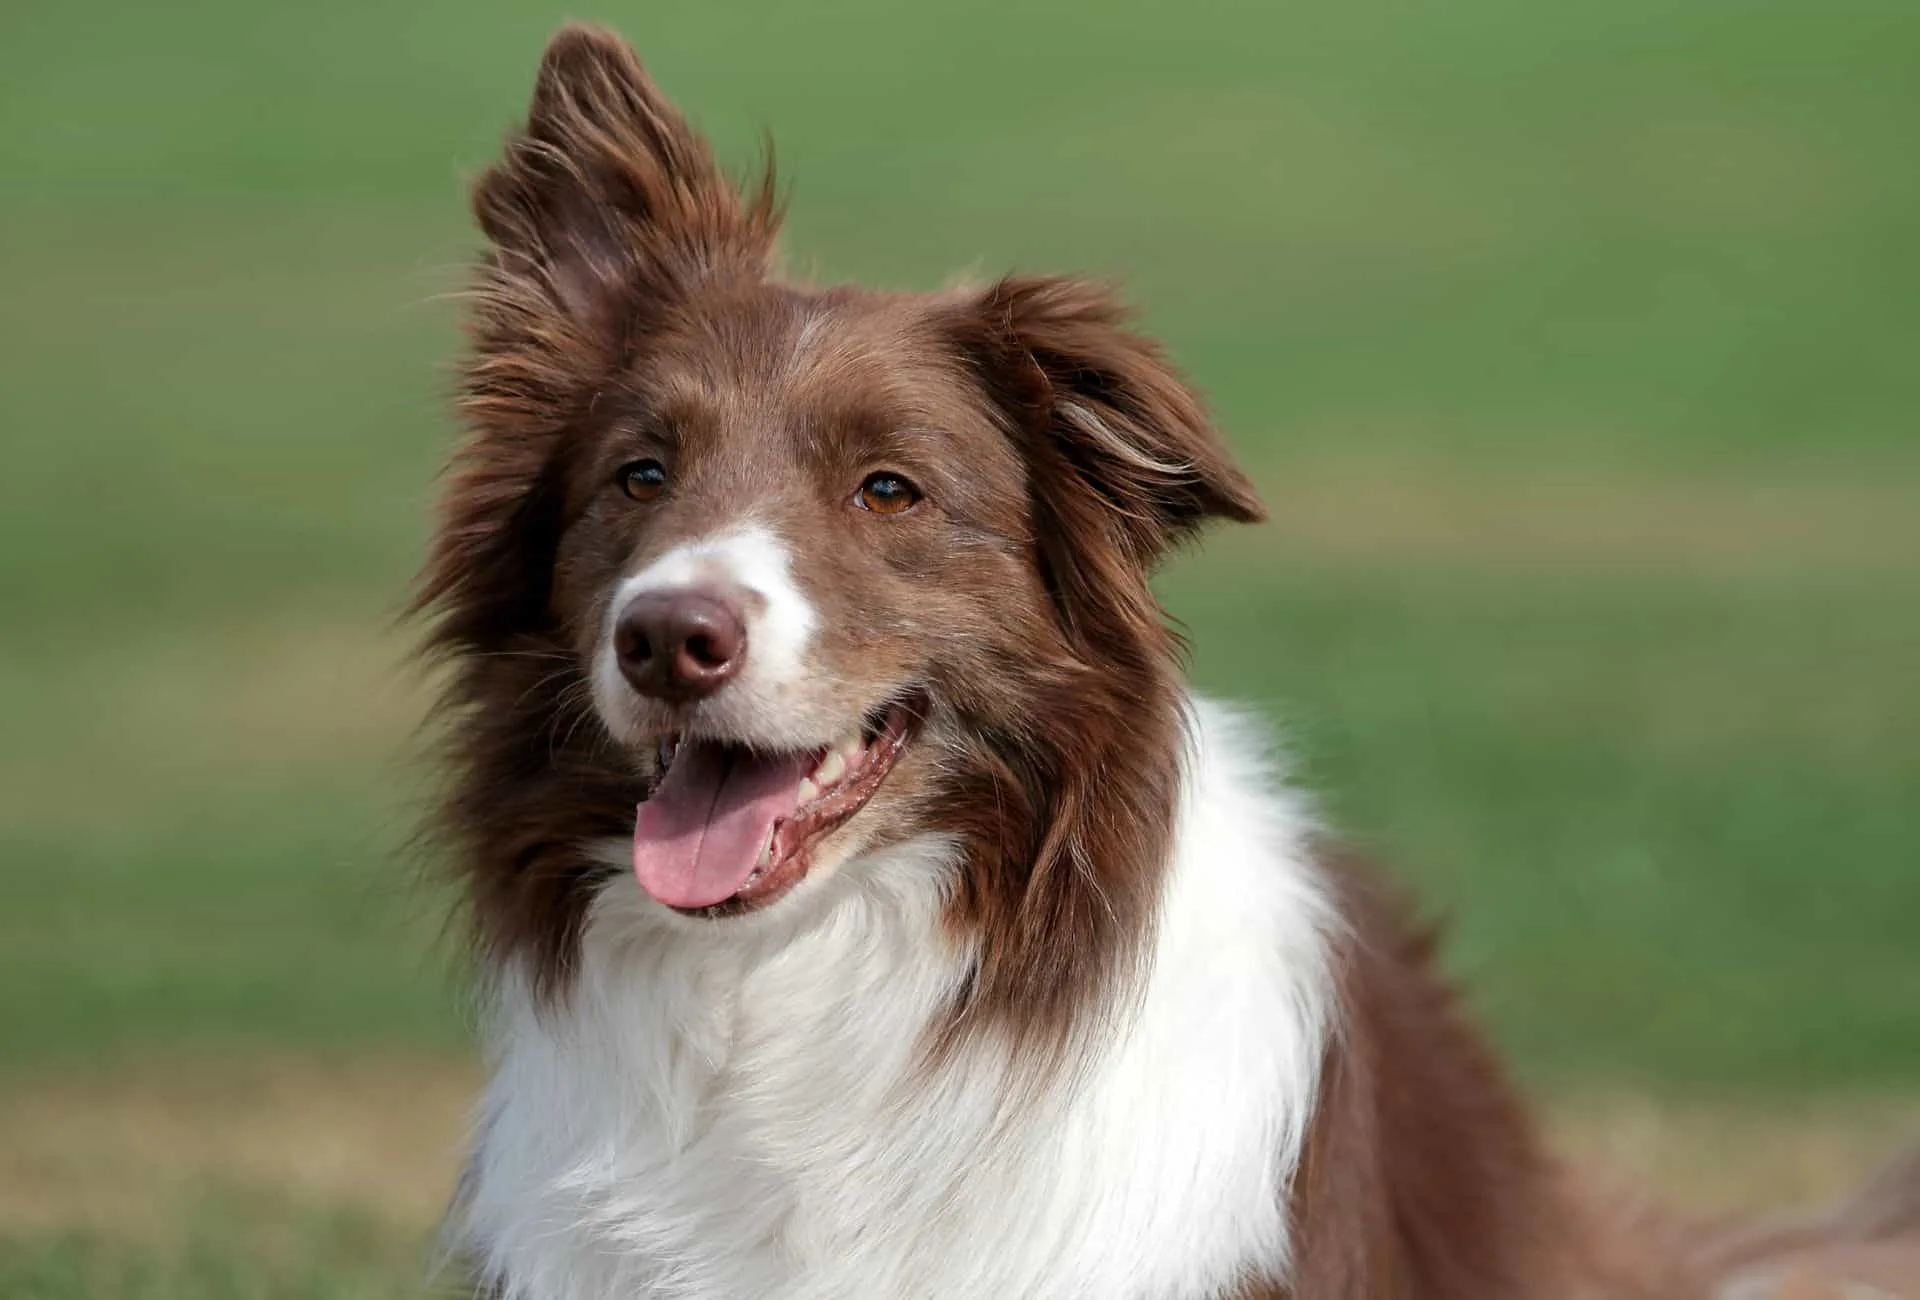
{"x": 606, "y": 189}
{"x": 1100, "y": 403}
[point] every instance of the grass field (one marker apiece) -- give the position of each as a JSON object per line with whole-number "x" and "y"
{"x": 1573, "y": 346}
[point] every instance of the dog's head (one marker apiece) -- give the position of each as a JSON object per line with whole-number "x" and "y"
{"x": 798, "y": 573}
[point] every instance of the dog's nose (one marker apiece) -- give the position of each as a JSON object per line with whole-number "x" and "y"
{"x": 682, "y": 644}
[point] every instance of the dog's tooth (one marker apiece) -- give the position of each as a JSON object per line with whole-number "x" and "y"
{"x": 808, "y": 790}
{"x": 850, "y": 746}
{"x": 832, "y": 768}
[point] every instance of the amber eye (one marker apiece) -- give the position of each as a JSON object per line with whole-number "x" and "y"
{"x": 887, "y": 493}
{"x": 643, "y": 480}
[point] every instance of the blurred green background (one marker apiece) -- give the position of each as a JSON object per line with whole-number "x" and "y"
{"x": 1573, "y": 344}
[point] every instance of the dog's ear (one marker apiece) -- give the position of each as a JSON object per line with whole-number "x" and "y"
{"x": 1100, "y": 407}
{"x": 604, "y": 211}
{"x": 1123, "y": 461}
{"x": 606, "y": 197}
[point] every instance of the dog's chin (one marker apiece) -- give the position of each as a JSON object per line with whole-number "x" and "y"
{"x": 809, "y": 811}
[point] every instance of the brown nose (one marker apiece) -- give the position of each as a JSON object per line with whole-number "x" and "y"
{"x": 682, "y": 644}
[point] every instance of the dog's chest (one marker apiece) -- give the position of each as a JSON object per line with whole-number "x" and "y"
{"x": 714, "y": 1119}
{"x": 720, "y": 1129}
{"x": 793, "y": 1148}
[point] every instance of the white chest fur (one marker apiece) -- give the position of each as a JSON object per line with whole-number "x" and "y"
{"x": 719, "y": 1113}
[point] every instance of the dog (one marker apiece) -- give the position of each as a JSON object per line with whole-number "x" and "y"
{"x": 864, "y": 904}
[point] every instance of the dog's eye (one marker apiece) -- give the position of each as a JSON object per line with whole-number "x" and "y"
{"x": 887, "y": 493}
{"x": 643, "y": 480}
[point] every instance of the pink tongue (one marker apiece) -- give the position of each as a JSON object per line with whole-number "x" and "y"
{"x": 696, "y": 840}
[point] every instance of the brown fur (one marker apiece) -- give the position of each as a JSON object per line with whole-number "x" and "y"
{"x": 626, "y": 307}
{"x": 1421, "y": 1168}
{"x": 1423, "y": 1176}
{"x": 1122, "y": 464}
{"x": 604, "y": 207}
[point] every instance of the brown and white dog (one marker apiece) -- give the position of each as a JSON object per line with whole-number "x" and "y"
{"x": 955, "y": 950}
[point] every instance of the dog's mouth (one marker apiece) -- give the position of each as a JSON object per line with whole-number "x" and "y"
{"x": 728, "y": 828}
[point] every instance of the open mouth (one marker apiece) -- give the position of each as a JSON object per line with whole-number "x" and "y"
{"x": 727, "y": 828}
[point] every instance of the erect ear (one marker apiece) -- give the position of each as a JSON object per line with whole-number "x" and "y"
{"x": 605, "y": 208}
{"x": 1101, "y": 404}
{"x": 607, "y": 189}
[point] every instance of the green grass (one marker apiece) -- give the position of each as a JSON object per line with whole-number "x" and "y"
{"x": 311, "y": 1256}
{"x": 1657, "y": 763}
{"x": 1671, "y": 829}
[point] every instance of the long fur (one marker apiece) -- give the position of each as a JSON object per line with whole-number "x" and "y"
{"x": 715, "y": 1115}
{"x": 1080, "y": 1002}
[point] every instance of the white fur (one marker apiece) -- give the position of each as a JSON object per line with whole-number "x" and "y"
{"x": 724, "y": 1113}
{"x": 780, "y": 621}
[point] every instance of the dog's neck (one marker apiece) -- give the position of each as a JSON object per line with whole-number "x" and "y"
{"x": 750, "y": 1104}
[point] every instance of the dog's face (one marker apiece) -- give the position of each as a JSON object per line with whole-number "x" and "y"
{"x": 821, "y": 569}
{"x": 793, "y": 525}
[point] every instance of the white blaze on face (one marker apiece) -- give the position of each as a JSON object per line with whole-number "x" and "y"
{"x": 780, "y": 620}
